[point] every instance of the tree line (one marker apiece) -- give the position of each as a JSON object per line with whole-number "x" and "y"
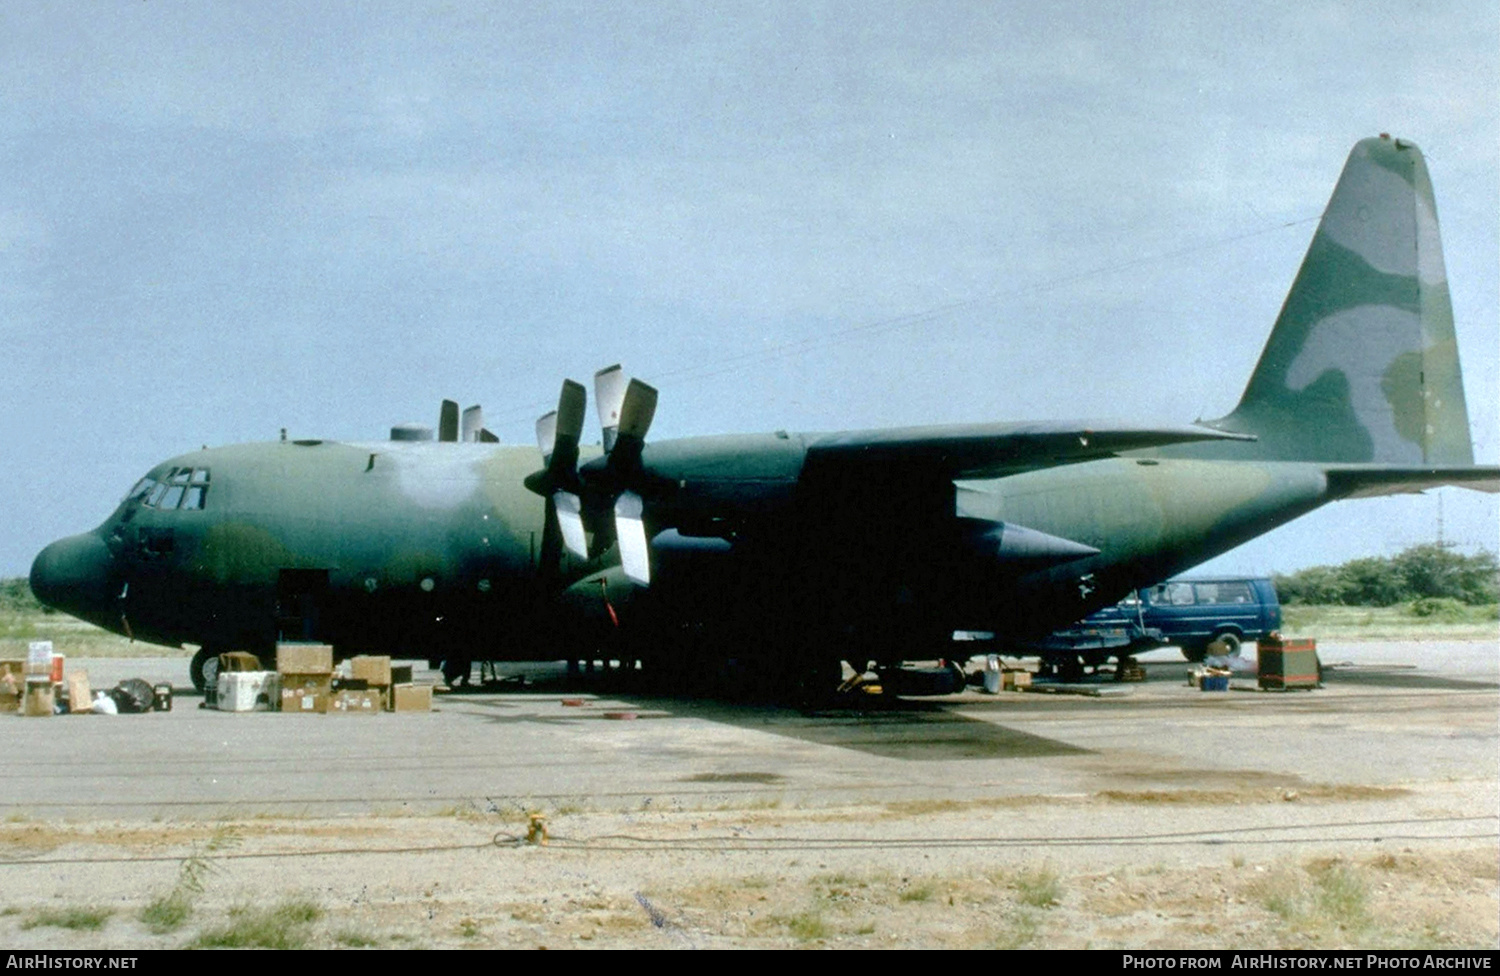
{"x": 1426, "y": 572}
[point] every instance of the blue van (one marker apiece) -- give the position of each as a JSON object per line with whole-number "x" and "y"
{"x": 1190, "y": 613}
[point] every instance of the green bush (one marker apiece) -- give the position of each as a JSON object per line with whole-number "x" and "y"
{"x": 1425, "y": 572}
{"x": 16, "y": 595}
{"x": 1439, "y": 607}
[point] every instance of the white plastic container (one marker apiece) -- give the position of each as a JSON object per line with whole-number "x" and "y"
{"x": 249, "y": 691}
{"x": 992, "y": 680}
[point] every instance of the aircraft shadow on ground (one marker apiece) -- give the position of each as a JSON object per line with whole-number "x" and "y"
{"x": 914, "y": 730}
{"x": 893, "y": 728}
{"x": 1404, "y": 679}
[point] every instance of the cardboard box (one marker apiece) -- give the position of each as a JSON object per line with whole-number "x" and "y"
{"x": 347, "y": 701}
{"x": 306, "y": 692}
{"x": 12, "y": 683}
{"x": 240, "y": 661}
{"x": 80, "y": 696}
{"x": 249, "y": 691}
{"x": 304, "y": 658}
{"x": 10, "y": 695}
{"x": 1016, "y": 680}
{"x": 411, "y": 698}
{"x": 374, "y": 671}
{"x": 39, "y": 697}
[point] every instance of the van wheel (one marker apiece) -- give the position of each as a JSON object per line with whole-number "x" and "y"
{"x": 1229, "y": 644}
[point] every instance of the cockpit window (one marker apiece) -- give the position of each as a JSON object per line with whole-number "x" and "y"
{"x": 179, "y": 488}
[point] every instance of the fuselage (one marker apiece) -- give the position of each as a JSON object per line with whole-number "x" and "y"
{"x": 431, "y": 549}
{"x": 377, "y": 546}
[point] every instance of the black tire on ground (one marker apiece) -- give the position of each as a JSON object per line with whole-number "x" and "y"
{"x": 1230, "y": 642}
{"x": 204, "y": 668}
{"x": 456, "y": 671}
{"x": 1194, "y": 652}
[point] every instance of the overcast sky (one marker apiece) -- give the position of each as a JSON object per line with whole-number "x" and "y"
{"x": 218, "y": 220}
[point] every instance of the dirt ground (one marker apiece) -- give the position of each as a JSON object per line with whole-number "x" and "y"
{"x": 1140, "y": 872}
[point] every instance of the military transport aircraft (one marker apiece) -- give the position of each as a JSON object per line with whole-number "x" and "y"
{"x": 794, "y": 551}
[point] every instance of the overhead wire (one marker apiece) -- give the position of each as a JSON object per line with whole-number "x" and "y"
{"x": 697, "y": 372}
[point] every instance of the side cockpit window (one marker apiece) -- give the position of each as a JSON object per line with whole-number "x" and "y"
{"x": 180, "y": 488}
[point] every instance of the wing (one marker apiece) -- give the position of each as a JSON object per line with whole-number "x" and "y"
{"x": 995, "y": 450}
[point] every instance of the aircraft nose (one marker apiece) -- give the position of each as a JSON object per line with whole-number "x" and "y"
{"x": 73, "y": 575}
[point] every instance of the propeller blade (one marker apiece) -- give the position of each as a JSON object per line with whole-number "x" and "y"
{"x": 609, "y": 397}
{"x": 572, "y": 404}
{"x": 570, "y": 520}
{"x": 471, "y": 424}
{"x": 549, "y": 564}
{"x": 630, "y": 530}
{"x": 448, "y": 422}
{"x": 636, "y": 412}
{"x": 557, "y": 434}
{"x": 546, "y": 435}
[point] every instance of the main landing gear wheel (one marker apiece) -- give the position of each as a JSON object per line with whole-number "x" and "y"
{"x": 456, "y": 671}
{"x": 204, "y": 670}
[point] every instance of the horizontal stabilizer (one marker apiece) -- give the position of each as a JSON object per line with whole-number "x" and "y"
{"x": 1361, "y": 481}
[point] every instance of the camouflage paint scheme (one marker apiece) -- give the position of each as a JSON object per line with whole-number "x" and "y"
{"x": 802, "y": 550}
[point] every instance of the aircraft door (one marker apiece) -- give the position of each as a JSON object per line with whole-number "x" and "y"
{"x": 301, "y": 596}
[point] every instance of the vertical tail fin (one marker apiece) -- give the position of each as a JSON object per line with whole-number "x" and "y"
{"x": 1362, "y": 365}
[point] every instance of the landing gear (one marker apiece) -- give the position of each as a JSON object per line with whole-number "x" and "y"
{"x": 204, "y": 669}
{"x": 814, "y": 683}
{"x": 456, "y": 671}
{"x": 1068, "y": 670}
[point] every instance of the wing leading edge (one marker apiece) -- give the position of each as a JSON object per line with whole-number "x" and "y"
{"x": 994, "y": 450}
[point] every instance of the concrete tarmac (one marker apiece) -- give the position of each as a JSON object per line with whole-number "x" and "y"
{"x": 1391, "y": 715}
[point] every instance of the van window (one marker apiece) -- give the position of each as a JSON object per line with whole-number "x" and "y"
{"x": 1174, "y": 594}
{"x": 1232, "y": 592}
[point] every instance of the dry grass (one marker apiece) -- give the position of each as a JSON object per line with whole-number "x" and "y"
{"x": 1379, "y": 623}
{"x": 79, "y": 918}
{"x": 287, "y": 925}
